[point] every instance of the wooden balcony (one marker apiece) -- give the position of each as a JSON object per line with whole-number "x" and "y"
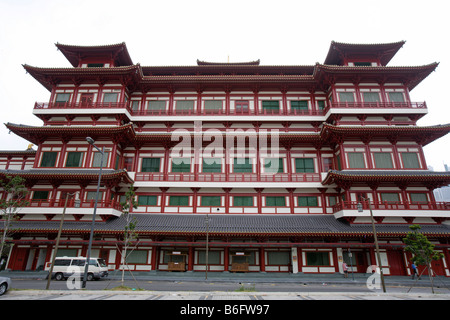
{"x": 74, "y": 204}
{"x": 82, "y": 106}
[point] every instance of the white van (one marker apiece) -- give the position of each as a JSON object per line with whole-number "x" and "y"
{"x": 67, "y": 266}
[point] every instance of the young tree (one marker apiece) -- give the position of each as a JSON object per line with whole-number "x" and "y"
{"x": 422, "y": 250}
{"x": 15, "y": 199}
{"x": 130, "y": 233}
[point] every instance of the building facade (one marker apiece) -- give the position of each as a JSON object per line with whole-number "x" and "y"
{"x": 264, "y": 165}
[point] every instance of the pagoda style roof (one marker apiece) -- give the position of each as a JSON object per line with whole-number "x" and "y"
{"x": 117, "y": 52}
{"x": 430, "y": 178}
{"x": 250, "y": 63}
{"x": 35, "y": 134}
{"x": 383, "y": 51}
{"x": 232, "y": 225}
{"x": 31, "y": 176}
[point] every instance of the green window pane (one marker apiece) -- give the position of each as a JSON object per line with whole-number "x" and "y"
{"x": 179, "y": 200}
{"x": 156, "y": 105}
{"x": 356, "y": 160}
{"x": 40, "y": 195}
{"x": 150, "y": 164}
{"x": 299, "y": 105}
{"x": 383, "y": 160}
{"x": 242, "y": 165}
{"x": 371, "y": 97}
{"x": 271, "y": 105}
{"x": 184, "y": 105}
{"x": 110, "y": 97}
{"x": 62, "y": 97}
{"x": 181, "y": 165}
{"x": 317, "y": 259}
{"x": 243, "y": 201}
{"x": 278, "y": 258}
{"x": 321, "y": 104}
{"x": 137, "y": 257}
{"x": 212, "y": 165}
{"x": 419, "y": 197}
{"x": 98, "y": 158}
{"x": 346, "y": 97}
{"x": 396, "y": 97}
{"x": 147, "y": 200}
{"x": 213, "y": 257}
{"x": 390, "y": 197}
{"x": 274, "y": 165}
{"x": 74, "y": 159}
{"x": 210, "y": 201}
{"x": 304, "y": 165}
{"x": 410, "y": 160}
{"x": 307, "y": 201}
{"x": 275, "y": 201}
{"x": 49, "y": 159}
{"x": 213, "y": 105}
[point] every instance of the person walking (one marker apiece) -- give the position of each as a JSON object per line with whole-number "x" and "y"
{"x": 345, "y": 269}
{"x": 414, "y": 271}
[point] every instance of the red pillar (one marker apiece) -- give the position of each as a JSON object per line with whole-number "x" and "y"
{"x": 191, "y": 259}
{"x": 226, "y": 260}
{"x": 262, "y": 260}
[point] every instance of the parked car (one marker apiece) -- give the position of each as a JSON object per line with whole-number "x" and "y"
{"x": 5, "y": 284}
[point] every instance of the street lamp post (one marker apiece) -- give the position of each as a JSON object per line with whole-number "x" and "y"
{"x": 377, "y": 248}
{"x": 86, "y": 266}
{"x": 77, "y": 204}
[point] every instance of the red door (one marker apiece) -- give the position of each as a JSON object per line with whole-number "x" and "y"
{"x": 396, "y": 263}
{"x": 19, "y": 259}
{"x": 437, "y": 266}
{"x": 86, "y": 99}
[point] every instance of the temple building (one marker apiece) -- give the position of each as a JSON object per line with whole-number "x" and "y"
{"x": 268, "y": 162}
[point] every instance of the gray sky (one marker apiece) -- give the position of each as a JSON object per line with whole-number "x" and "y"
{"x": 179, "y": 32}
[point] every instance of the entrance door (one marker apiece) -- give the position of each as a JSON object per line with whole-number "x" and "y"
{"x": 361, "y": 262}
{"x": 86, "y": 99}
{"x": 396, "y": 263}
{"x": 19, "y": 259}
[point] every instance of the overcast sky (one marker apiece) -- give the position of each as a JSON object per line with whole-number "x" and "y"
{"x": 180, "y": 32}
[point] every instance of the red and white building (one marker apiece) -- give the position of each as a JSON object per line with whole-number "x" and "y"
{"x": 345, "y": 130}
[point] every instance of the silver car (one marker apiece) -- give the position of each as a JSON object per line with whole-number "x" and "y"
{"x": 5, "y": 284}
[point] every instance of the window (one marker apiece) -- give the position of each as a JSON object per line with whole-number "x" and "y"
{"x": 147, "y": 200}
{"x": 356, "y": 160}
{"x": 383, "y": 160}
{"x": 390, "y": 197}
{"x": 98, "y": 158}
{"x": 40, "y": 195}
{"x": 396, "y": 97}
{"x": 321, "y": 104}
{"x": 419, "y": 197}
{"x": 178, "y": 200}
{"x": 327, "y": 164}
{"x": 278, "y": 258}
{"x": 90, "y": 196}
{"x": 275, "y": 201}
{"x": 298, "y": 106}
{"x": 110, "y": 97}
{"x": 363, "y": 64}
{"x": 135, "y": 105}
{"x": 274, "y": 165}
{"x": 317, "y": 259}
{"x": 242, "y": 165}
{"x": 95, "y": 65}
{"x": 210, "y": 201}
{"x": 184, "y": 106}
{"x": 181, "y": 165}
{"x": 213, "y": 257}
{"x": 213, "y": 106}
{"x": 138, "y": 257}
{"x": 243, "y": 201}
{"x": 74, "y": 159}
{"x": 307, "y": 201}
{"x": 271, "y": 106}
{"x": 62, "y": 98}
{"x": 212, "y": 165}
{"x": 410, "y": 160}
{"x": 371, "y": 97}
{"x": 241, "y": 107}
{"x": 346, "y": 97}
{"x": 332, "y": 200}
{"x": 49, "y": 159}
{"x": 128, "y": 163}
{"x": 150, "y": 164}
{"x": 156, "y": 105}
{"x": 304, "y": 165}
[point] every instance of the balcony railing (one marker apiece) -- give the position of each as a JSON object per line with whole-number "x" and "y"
{"x": 74, "y": 204}
{"x": 231, "y": 177}
{"x": 235, "y": 112}
{"x": 390, "y": 205}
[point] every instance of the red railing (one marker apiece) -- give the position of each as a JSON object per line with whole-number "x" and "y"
{"x": 74, "y": 204}
{"x": 231, "y": 177}
{"x": 390, "y": 205}
{"x": 378, "y": 105}
{"x": 78, "y": 105}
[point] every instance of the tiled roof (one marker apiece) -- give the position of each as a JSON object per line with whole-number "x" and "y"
{"x": 194, "y": 224}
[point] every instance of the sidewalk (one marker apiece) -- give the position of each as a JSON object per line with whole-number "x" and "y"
{"x": 356, "y": 279}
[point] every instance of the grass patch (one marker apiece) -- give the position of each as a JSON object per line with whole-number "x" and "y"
{"x": 243, "y": 288}
{"x": 125, "y": 288}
